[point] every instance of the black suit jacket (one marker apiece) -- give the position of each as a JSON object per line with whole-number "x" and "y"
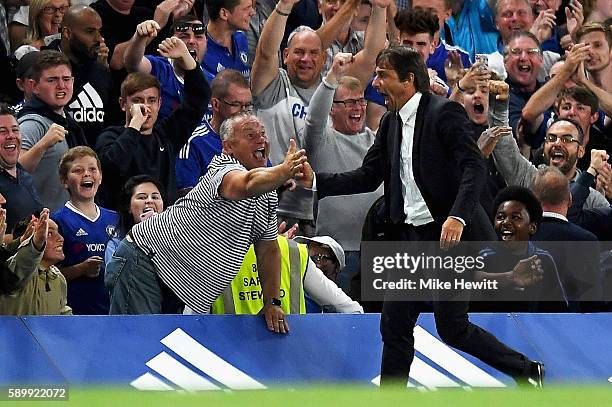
{"x": 577, "y": 260}
{"x": 447, "y": 165}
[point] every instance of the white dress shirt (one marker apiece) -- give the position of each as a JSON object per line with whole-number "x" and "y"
{"x": 415, "y": 208}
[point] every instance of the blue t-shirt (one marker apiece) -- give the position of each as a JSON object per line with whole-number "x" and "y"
{"x": 193, "y": 159}
{"x": 474, "y": 29}
{"x": 195, "y": 156}
{"x": 218, "y": 57}
{"x": 171, "y": 85}
{"x": 437, "y": 60}
{"x": 84, "y": 238}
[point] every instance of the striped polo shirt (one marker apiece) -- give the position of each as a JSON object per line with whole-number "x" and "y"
{"x": 198, "y": 244}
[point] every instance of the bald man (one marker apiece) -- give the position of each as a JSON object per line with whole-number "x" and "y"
{"x": 81, "y": 40}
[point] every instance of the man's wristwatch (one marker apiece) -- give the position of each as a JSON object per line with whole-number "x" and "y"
{"x": 274, "y": 301}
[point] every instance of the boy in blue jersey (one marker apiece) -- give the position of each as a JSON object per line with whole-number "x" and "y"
{"x": 86, "y": 229}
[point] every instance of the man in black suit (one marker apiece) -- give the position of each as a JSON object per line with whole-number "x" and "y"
{"x": 578, "y": 261}
{"x": 433, "y": 173}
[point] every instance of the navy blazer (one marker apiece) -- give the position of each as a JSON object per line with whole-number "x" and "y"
{"x": 448, "y": 167}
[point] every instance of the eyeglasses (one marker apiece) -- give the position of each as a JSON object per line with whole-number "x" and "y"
{"x": 242, "y": 106}
{"x": 352, "y": 102}
{"x": 516, "y": 52}
{"x": 317, "y": 258}
{"x": 197, "y": 28}
{"x": 53, "y": 10}
{"x": 565, "y": 139}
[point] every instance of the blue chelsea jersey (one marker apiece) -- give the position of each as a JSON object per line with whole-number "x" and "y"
{"x": 84, "y": 238}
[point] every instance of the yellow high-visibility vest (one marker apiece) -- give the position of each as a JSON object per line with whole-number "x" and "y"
{"x": 244, "y": 294}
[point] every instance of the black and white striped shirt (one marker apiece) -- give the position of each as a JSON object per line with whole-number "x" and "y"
{"x": 198, "y": 243}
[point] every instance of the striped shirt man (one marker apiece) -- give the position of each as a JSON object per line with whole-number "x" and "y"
{"x": 198, "y": 244}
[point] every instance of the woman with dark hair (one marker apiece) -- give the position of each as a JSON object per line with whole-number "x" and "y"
{"x": 140, "y": 199}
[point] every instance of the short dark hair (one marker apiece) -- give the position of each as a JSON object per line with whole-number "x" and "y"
{"x": 551, "y": 186}
{"x": 214, "y": 7}
{"x": 522, "y": 195}
{"x": 6, "y": 110}
{"x": 138, "y": 81}
{"x": 593, "y": 26}
{"x": 72, "y": 155}
{"x": 224, "y": 79}
{"x": 405, "y": 61}
{"x": 126, "y": 220}
{"x": 417, "y": 21}
{"x": 572, "y": 121}
{"x": 184, "y": 19}
{"x": 581, "y": 95}
{"x": 48, "y": 59}
{"x": 520, "y": 34}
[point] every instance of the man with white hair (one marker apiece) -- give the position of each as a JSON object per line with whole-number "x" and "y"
{"x": 188, "y": 253}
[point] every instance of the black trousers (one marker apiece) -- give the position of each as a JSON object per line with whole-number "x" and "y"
{"x": 452, "y": 323}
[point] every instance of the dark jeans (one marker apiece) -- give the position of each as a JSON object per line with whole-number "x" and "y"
{"x": 452, "y": 323}
{"x": 135, "y": 287}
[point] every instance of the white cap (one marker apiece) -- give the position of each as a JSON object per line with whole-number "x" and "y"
{"x": 328, "y": 241}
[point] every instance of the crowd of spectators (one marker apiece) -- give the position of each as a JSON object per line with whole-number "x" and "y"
{"x": 166, "y": 98}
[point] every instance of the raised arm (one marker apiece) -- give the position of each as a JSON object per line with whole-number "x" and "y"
{"x": 237, "y": 185}
{"x": 365, "y": 60}
{"x": 329, "y": 31}
{"x": 134, "y": 58}
{"x": 265, "y": 65}
{"x": 544, "y": 98}
{"x": 516, "y": 169}
{"x": 321, "y": 103}
{"x": 30, "y": 158}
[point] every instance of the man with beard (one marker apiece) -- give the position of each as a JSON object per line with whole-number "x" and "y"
{"x": 82, "y": 42}
{"x": 563, "y": 147}
{"x": 188, "y": 29}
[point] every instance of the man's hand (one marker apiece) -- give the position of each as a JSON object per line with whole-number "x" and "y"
{"x": 288, "y": 233}
{"x": 599, "y": 158}
{"x": 574, "y": 15}
{"x": 54, "y": 135}
{"x": 294, "y": 161}
{"x": 103, "y": 54}
{"x": 575, "y": 57}
{"x": 176, "y": 49}
{"x": 451, "y": 233}
{"x": 287, "y": 5}
{"x": 474, "y": 77}
{"x": 500, "y": 89}
{"x": 183, "y": 8}
{"x": 2, "y": 223}
{"x": 138, "y": 114}
{"x": 604, "y": 181}
{"x": 543, "y": 25}
{"x": 275, "y": 319}
{"x": 163, "y": 11}
{"x": 40, "y": 230}
{"x": 581, "y": 77}
{"x": 381, "y": 3}
{"x": 527, "y": 272}
{"x": 453, "y": 67}
{"x": 489, "y": 138}
{"x": 148, "y": 29}
{"x": 91, "y": 267}
{"x": 436, "y": 84}
{"x": 340, "y": 65}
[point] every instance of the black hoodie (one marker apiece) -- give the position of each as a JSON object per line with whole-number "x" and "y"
{"x": 125, "y": 152}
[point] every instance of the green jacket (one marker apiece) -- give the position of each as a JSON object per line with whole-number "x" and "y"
{"x": 30, "y": 289}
